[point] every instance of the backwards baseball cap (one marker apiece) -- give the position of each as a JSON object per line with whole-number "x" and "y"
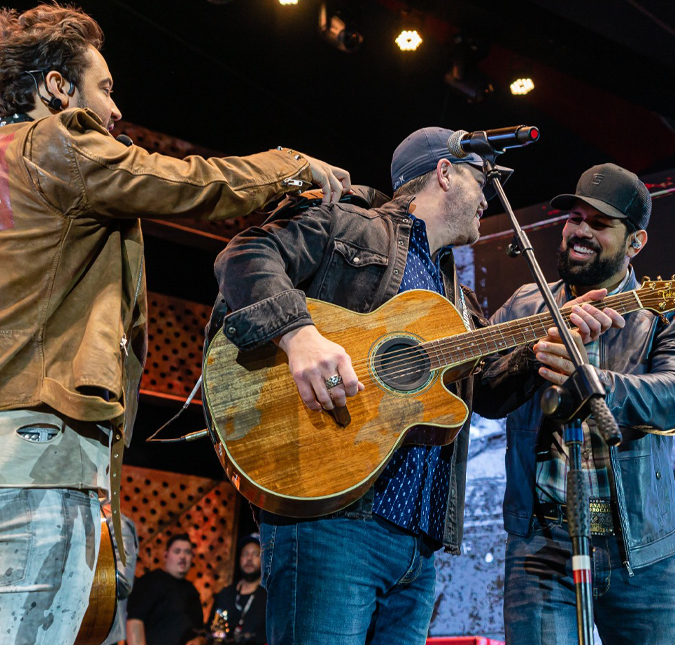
{"x": 614, "y": 191}
{"x": 248, "y": 539}
{"x": 420, "y": 152}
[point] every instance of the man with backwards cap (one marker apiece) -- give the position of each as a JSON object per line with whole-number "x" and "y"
{"x": 631, "y": 487}
{"x": 365, "y": 574}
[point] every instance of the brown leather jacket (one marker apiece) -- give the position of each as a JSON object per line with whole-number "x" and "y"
{"x": 72, "y": 284}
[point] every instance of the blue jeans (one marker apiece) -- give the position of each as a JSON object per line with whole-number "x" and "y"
{"x": 344, "y": 581}
{"x": 539, "y": 594}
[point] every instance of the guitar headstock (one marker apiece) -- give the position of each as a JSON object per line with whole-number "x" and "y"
{"x": 657, "y": 295}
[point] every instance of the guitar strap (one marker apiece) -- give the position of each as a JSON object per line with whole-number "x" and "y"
{"x": 458, "y": 295}
{"x": 116, "y": 453}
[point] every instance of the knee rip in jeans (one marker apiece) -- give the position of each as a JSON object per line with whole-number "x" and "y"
{"x": 42, "y": 433}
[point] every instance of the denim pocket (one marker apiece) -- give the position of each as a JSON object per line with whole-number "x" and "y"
{"x": 268, "y": 533}
{"x": 16, "y": 537}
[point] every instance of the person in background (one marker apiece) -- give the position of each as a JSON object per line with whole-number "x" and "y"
{"x": 164, "y": 608}
{"x": 245, "y": 601}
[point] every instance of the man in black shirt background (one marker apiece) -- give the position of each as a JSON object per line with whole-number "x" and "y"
{"x": 245, "y": 601}
{"x": 165, "y": 608}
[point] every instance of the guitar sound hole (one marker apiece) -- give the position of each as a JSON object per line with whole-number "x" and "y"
{"x": 401, "y": 364}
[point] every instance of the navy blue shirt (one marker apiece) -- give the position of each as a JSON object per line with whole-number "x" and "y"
{"x": 412, "y": 491}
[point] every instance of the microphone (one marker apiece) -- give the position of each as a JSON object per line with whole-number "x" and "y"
{"x": 123, "y": 138}
{"x": 462, "y": 143}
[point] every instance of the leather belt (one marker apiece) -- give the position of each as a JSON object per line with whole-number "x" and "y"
{"x": 602, "y": 515}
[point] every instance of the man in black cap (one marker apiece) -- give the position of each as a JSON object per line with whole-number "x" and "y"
{"x": 242, "y": 604}
{"x": 631, "y": 487}
{"x": 365, "y": 574}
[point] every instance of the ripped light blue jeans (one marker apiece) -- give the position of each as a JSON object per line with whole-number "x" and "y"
{"x": 49, "y": 540}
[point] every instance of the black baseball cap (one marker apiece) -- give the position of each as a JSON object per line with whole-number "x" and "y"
{"x": 614, "y": 191}
{"x": 248, "y": 539}
{"x": 420, "y": 152}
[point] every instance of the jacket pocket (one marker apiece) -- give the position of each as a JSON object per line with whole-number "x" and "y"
{"x": 352, "y": 276}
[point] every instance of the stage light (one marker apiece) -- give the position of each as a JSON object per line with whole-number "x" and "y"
{"x": 336, "y": 27}
{"x": 408, "y": 40}
{"x": 522, "y": 86}
{"x": 287, "y": 2}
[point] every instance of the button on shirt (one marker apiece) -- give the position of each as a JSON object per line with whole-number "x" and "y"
{"x": 412, "y": 491}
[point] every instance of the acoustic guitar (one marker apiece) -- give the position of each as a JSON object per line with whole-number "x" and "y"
{"x": 290, "y": 460}
{"x": 100, "y": 614}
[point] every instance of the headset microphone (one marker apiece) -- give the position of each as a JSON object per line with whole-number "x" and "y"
{"x": 54, "y": 103}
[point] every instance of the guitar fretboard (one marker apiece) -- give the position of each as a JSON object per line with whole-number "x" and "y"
{"x": 462, "y": 348}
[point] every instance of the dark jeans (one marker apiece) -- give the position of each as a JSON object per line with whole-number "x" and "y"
{"x": 539, "y": 598}
{"x": 344, "y": 581}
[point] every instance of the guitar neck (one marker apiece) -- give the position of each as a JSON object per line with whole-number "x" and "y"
{"x": 463, "y": 348}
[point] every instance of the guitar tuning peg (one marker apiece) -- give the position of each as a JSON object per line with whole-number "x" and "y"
{"x": 672, "y": 277}
{"x": 646, "y": 279}
{"x": 658, "y": 277}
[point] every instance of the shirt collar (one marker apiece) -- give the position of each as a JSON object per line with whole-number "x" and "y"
{"x": 422, "y": 226}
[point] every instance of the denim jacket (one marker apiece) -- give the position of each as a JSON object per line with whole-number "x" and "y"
{"x": 346, "y": 255}
{"x": 637, "y": 367}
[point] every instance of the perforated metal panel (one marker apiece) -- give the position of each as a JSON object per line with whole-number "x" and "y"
{"x": 175, "y": 341}
{"x": 163, "y": 504}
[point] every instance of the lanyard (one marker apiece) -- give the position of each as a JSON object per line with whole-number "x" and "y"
{"x": 244, "y": 611}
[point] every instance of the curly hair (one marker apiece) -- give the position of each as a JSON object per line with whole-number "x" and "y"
{"x": 48, "y": 37}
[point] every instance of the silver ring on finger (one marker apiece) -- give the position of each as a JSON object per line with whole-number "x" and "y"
{"x": 334, "y": 380}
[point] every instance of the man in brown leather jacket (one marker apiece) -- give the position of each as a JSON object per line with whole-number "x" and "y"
{"x": 73, "y": 302}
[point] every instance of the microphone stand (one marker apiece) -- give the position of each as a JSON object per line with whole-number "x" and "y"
{"x": 581, "y": 395}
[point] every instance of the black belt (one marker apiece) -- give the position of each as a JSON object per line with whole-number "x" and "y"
{"x": 602, "y": 515}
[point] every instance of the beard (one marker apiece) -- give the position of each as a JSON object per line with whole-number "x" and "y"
{"x": 251, "y": 576}
{"x": 592, "y": 272}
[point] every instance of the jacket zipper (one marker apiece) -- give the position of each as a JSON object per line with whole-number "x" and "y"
{"x": 123, "y": 345}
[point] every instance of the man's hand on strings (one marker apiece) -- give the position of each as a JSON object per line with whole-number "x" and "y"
{"x": 313, "y": 360}
{"x": 590, "y": 321}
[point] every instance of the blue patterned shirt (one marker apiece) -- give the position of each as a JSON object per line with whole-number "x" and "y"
{"x": 412, "y": 491}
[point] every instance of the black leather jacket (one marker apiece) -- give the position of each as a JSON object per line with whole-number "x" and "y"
{"x": 638, "y": 369}
{"x": 344, "y": 254}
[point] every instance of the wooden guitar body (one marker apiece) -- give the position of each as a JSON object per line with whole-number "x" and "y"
{"x": 293, "y": 461}
{"x": 100, "y": 614}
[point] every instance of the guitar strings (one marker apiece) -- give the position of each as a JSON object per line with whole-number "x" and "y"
{"x": 525, "y": 324}
{"x": 627, "y": 302}
{"x": 489, "y": 334}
